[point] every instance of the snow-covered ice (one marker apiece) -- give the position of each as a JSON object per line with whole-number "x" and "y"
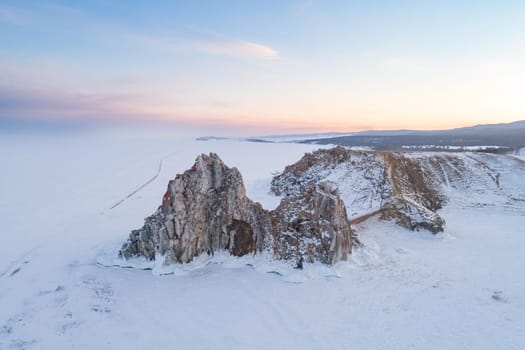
{"x": 463, "y": 289}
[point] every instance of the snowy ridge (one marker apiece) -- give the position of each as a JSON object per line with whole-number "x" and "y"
{"x": 476, "y": 179}
{"x": 369, "y": 181}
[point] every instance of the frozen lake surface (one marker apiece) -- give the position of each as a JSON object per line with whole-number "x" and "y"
{"x": 68, "y": 199}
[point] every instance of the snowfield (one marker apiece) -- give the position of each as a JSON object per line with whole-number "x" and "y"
{"x": 68, "y": 201}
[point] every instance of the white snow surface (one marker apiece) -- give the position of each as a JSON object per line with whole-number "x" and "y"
{"x": 463, "y": 289}
{"x": 521, "y": 153}
{"x": 452, "y": 148}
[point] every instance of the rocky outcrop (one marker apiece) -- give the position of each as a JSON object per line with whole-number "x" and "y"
{"x": 306, "y": 171}
{"x": 415, "y": 198}
{"x": 407, "y": 188}
{"x": 206, "y": 210}
{"x": 312, "y": 227}
{"x": 389, "y": 184}
{"x": 413, "y": 217}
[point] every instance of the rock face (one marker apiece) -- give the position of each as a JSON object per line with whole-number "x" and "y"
{"x": 306, "y": 171}
{"x": 206, "y": 210}
{"x": 415, "y": 197}
{"x": 389, "y": 184}
{"x": 203, "y": 210}
{"x": 312, "y": 226}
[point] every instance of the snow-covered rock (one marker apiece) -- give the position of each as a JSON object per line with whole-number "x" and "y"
{"x": 205, "y": 210}
{"x": 312, "y": 226}
{"x": 406, "y": 187}
{"x": 371, "y": 183}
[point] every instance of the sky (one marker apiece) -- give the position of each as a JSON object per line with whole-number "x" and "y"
{"x": 258, "y": 67}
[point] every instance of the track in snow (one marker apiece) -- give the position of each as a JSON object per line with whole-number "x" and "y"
{"x": 141, "y": 187}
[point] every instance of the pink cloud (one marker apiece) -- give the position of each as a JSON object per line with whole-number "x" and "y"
{"x": 223, "y": 47}
{"x": 237, "y": 48}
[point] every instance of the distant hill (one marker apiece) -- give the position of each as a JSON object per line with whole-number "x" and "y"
{"x": 495, "y": 138}
{"x": 487, "y": 137}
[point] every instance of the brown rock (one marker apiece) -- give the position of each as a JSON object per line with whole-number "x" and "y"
{"x": 206, "y": 210}
{"x": 389, "y": 184}
{"x": 312, "y": 227}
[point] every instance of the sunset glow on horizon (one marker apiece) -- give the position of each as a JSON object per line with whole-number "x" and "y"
{"x": 264, "y": 67}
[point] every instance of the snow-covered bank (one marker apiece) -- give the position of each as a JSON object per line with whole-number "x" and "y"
{"x": 461, "y": 289}
{"x": 520, "y": 154}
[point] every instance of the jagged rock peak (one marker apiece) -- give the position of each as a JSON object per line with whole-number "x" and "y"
{"x": 206, "y": 210}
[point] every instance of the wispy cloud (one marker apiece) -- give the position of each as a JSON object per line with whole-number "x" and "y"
{"x": 100, "y": 29}
{"x": 222, "y": 47}
{"x": 10, "y": 15}
{"x": 21, "y": 106}
{"x": 56, "y": 104}
{"x": 236, "y": 48}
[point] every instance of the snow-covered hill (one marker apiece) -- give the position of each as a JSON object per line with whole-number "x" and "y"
{"x": 497, "y": 138}
{"x": 68, "y": 199}
{"x": 409, "y": 187}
